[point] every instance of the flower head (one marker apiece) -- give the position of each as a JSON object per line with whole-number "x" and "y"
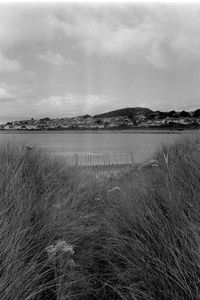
{"x": 71, "y": 263}
{"x": 63, "y": 246}
{"x": 59, "y": 247}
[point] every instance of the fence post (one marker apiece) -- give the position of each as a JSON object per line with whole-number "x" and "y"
{"x": 132, "y": 157}
{"x": 76, "y": 159}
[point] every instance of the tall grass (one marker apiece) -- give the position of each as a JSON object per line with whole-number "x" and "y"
{"x": 134, "y": 237}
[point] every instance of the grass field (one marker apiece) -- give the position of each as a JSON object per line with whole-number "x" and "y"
{"x": 66, "y": 235}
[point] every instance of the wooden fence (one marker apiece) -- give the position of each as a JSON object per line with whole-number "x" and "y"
{"x": 108, "y": 159}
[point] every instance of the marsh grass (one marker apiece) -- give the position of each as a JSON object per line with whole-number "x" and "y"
{"x": 136, "y": 236}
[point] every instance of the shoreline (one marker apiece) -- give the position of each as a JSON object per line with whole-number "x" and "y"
{"x": 107, "y": 131}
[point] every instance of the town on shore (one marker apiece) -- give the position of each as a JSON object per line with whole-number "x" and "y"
{"x": 127, "y": 118}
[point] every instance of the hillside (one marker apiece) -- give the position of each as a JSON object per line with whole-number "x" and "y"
{"x": 119, "y": 119}
{"x": 129, "y": 111}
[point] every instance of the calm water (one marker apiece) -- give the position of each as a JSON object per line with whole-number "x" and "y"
{"x": 142, "y": 144}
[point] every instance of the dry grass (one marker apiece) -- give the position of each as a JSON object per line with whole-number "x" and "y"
{"x": 134, "y": 237}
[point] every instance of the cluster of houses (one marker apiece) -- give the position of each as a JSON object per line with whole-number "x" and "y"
{"x": 167, "y": 122}
{"x": 89, "y": 122}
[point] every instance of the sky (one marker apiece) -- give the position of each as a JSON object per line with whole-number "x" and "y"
{"x": 69, "y": 59}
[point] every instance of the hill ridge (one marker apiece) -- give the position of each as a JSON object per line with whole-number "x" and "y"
{"x": 125, "y": 112}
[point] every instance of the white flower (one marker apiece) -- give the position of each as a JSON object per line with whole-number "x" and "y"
{"x": 63, "y": 246}
{"x": 71, "y": 263}
{"x": 50, "y": 249}
{"x": 60, "y": 246}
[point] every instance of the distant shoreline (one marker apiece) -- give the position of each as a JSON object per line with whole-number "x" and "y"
{"x": 108, "y": 131}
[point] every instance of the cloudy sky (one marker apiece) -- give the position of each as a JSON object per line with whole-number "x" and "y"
{"x": 64, "y": 59}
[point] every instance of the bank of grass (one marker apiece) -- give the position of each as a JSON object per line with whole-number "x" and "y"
{"x": 135, "y": 237}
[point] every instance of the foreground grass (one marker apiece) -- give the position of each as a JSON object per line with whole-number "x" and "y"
{"x": 135, "y": 237}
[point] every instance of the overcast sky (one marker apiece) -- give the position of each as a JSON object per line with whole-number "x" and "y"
{"x": 69, "y": 59}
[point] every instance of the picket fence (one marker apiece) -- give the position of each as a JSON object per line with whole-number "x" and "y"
{"x": 108, "y": 159}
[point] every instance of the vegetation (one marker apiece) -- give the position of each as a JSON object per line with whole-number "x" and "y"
{"x": 129, "y": 111}
{"x": 65, "y": 235}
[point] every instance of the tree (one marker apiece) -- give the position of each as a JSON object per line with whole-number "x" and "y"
{"x": 171, "y": 113}
{"x": 184, "y": 113}
{"x": 98, "y": 122}
{"x": 44, "y": 120}
{"x": 196, "y": 113}
{"x": 86, "y": 116}
{"x": 176, "y": 115}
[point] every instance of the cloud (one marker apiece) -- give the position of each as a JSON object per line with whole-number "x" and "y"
{"x": 163, "y": 36}
{"x": 9, "y": 65}
{"x": 11, "y": 93}
{"x": 55, "y": 59}
{"x": 128, "y": 40}
{"x": 21, "y": 23}
{"x": 4, "y": 94}
{"x": 55, "y": 106}
{"x": 74, "y": 104}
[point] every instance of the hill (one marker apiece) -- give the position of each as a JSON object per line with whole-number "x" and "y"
{"x": 129, "y": 111}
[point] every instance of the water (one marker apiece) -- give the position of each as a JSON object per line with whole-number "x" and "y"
{"x": 142, "y": 144}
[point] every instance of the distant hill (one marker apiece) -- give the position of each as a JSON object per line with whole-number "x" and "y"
{"x": 126, "y": 112}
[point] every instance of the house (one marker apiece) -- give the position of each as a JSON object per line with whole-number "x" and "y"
{"x": 185, "y": 121}
{"x": 17, "y": 127}
{"x": 31, "y": 127}
{"x": 8, "y": 126}
{"x": 172, "y": 120}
